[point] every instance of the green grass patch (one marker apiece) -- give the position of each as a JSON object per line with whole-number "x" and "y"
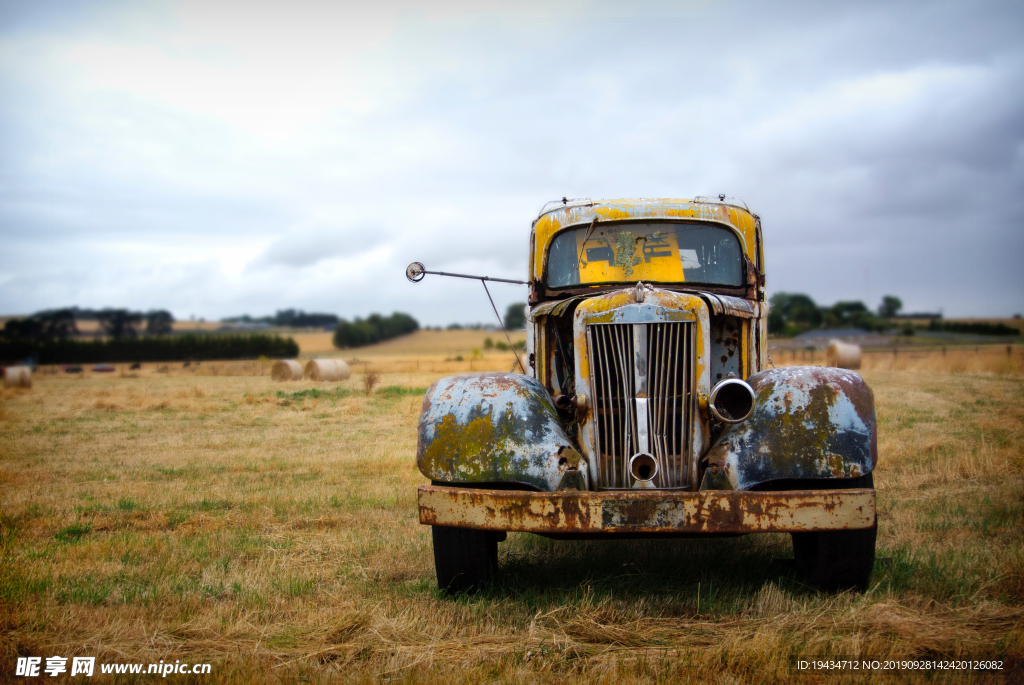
{"x": 398, "y": 391}
{"x": 127, "y": 504}
{"x": 213, "y": 505}
{"x": 85, "y": 590}
{"x": 294, "y": 586}
{"x": 73, "y": 533}
{"x": 19, "y": 587}
{"x": 176, "y": 518}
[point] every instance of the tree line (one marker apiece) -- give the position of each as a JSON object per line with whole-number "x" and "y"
{"x": 188, "y": 347}
{"x": 62, "y": 323}
{"x": 793, "y": 313}
{"x": 290, "y": 318}
{"x": 373, "y": 329}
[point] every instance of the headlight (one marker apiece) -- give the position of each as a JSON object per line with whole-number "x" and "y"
{"x": 732, "y": 400}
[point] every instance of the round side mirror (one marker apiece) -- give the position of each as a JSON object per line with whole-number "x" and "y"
{"x": 415, "y": 272}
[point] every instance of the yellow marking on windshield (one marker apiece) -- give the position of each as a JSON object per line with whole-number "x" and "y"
{"x": 626, "y": 256}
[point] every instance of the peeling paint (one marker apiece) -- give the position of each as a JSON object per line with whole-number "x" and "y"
{"x": 726, "y": 346}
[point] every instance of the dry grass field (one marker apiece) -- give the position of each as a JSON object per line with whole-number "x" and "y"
{"x": 422, "y": 345}
{"x": 210, "y": 515}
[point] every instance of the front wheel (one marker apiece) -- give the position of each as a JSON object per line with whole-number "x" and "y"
{"x": 838, "y": 559}
{"x": 463, "y": 558}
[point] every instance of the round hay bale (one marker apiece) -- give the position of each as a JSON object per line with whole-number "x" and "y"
{"x": 18, "y": 377}
{"x": 843, "y": 355}
{"x": 322, "y": 370}
{"x": 344, "y": 373}
{"x": 286, "y": 370}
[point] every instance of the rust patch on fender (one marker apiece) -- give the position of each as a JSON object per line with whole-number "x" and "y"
{"x": 808, "y": 422}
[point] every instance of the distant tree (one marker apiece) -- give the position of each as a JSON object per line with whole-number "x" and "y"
{"x": 375, "y": 328}
{"x": 515, "y": 316}
{"x": 300, "y": 319}
{"x": 890, "y": 307}
{"x": 850, "y": 314}
{"x": 159, "y": 322}
{"x": 54, "y": 323}
{"x": 60, "y": 324}
{"x": 794, "y": 311}
{"x": 119, "y": 323}
{"x": 23, "y": 329}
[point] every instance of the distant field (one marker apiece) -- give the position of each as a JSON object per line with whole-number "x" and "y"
{"x": 209, "y": 515}
{"x": 93, "y": 326}
{"x": 427, "y": 346}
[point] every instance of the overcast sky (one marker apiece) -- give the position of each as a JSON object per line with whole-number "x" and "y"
{"x": 218, "y": 158}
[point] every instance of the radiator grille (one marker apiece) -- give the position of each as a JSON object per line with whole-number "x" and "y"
{"x": 670, "y": 355}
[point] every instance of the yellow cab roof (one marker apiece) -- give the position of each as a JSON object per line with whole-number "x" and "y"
{"x": 573, "y": 213}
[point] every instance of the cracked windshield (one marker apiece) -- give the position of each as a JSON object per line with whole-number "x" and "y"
{"x": 655, "y": 252}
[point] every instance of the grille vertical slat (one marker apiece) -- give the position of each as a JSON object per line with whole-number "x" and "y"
{"x": 610, "y": 409}
{"x": 625, "y": 339}
{"x": 669, "y": 349}
{"x": 675, "y": 376}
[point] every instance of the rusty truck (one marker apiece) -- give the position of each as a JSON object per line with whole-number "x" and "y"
{"x": 645, "y": 405}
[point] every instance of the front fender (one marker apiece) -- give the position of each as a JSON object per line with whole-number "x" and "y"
{"x": 496, "y": 428}
{"x": 808, "y": 422}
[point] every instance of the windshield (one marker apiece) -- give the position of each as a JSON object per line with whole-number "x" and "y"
{"x": 659, "y": 252}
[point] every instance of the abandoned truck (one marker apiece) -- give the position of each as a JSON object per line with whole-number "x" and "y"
{"x": 647, "y": 408}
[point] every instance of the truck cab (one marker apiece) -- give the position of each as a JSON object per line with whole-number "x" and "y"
{"x": 648, "y": 406}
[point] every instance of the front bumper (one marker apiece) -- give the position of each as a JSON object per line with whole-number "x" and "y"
{"x": 646, "y": 511}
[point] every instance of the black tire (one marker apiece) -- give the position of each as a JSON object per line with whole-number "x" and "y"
{"x": 838, "y": 560}
{"x": 464, "y": 558}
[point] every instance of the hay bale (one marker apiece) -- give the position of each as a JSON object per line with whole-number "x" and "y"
{"x": 286, "y": 370}
{"x": 18, "y": 377}
{"x": 327, "y": 370}
{"x": 843, "y": 355}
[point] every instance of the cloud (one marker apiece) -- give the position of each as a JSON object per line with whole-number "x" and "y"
{"x": 212, "y": 160}
{"x": 308, "y": 245}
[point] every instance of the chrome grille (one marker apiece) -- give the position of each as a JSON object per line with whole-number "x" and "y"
{"x": 669, "y": 393}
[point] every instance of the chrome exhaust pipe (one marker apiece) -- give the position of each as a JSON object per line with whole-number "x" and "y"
{"x": 643, "y": 467}
{"x": 732, "y": 401}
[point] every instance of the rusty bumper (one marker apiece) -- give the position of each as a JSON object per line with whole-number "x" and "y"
{"x": 648, "y": 511}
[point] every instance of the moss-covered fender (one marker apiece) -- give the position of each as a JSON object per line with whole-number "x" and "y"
{"x": 808, "y": 422}
{"x": 496, "y": 428}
